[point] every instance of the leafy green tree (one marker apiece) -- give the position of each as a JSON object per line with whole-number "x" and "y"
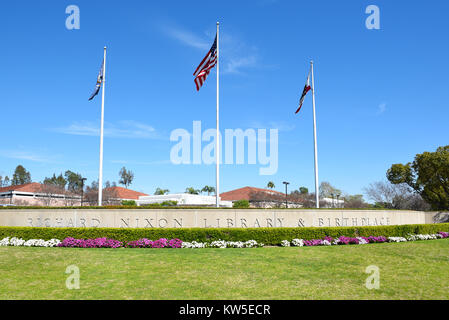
{"x": 241, "y": 204}
{"x": 427, "y": 175}
{"x": 270, "y": 185}
{"x": 161, "y": 192}
{"x": 303, "y": 190}
{"x": 20, "y": 176}
{"x": 57, "y": 181}
{"x": 126, "y": 177}
{"x": 74, "y": 181}
{"x": 192, "y": 190}
{"x": 208, "y": 189}
{"x": 6, "y": 182}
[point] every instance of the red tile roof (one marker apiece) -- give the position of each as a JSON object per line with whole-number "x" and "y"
{"x": 245, "y": 193}
{"x": 122, "y": 193}
{"x": 29, "y": 187}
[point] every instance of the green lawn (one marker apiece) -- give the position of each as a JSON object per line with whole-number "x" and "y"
{"x": 414, "y": 270}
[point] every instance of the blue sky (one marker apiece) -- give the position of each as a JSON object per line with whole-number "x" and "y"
{"x": 381, "y": 95}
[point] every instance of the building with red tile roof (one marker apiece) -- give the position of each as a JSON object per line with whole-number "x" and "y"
{"x": 124, "y": 194}
{"x": 261, "y": 198}
{"x": 37, "y": 194}
{"x": 247, "y": 193}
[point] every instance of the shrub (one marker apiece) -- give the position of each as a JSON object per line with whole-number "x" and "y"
{"x": 268, "y": 236}
{"x": 129, "y": 203}
{"x": 169, "y": 203}
{"x": 241, "y": 204}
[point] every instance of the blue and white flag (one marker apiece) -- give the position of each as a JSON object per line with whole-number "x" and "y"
{"x": 99, "y": 82}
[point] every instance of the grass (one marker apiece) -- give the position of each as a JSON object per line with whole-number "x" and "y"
{"x": 413, "y": 270}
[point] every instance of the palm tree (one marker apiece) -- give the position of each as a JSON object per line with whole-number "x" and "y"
{"x": 271, "y": 185}
{"x": 208, "y": 189}
{"x": 192, "y": 190}
{"x": 161, "y": 192}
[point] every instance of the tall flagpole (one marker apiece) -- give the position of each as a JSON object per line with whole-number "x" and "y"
{"x": 100, "y": 175}
{"x": 217, "y": 188}
{"x": 317, "y": 194}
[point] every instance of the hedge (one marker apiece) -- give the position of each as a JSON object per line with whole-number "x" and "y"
{"x": 268, "y": 236}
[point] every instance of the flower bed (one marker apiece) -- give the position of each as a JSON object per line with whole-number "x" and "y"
{"x": 329, "y": 241}
{"x": 177, "y": 243}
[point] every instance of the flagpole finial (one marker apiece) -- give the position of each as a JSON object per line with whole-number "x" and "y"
{"x": 218, "y": 23}
{"x": 104, "y": 47}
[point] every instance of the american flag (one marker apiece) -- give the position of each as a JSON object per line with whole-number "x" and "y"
{"x": 205, "y": 66}
{"x": 307, "y": 88}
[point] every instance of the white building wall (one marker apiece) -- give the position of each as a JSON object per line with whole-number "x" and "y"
{"x": 183, "y": 199}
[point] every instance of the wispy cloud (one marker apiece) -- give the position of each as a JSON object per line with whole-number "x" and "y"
{"x": 381, "y": 108}
{"x": 123, "y": 129}
{"x": 236, "y": 54}
{"x": 25, "y": 155}
{"x": 186, "y": 37}
{"x": 236, "y": 65}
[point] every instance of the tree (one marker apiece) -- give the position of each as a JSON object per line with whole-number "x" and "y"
{"x": 192, "y": 190}
{"x": 427, "y": 175}
{"x": 20, "y": 176}
{"x": 58, "y": 181}
{"x": 327, "y": 190}
{"x": 270, "y": 185}
{"x": 161, "y": 192}
{"x": 126, "y": 177}
{"x": 303, "y": 190}
{"x": 208, "y": 189}
{"x": 74, "y": 181}
{"x": 395, "y": 196}
{"x": 5, "y": 182}
{"x": 355, "y": 202}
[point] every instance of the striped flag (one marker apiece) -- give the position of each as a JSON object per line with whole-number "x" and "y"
{"x": 205, "y": 66}
{"x": 99, "y": 82}
{"x": 307, "y": 88}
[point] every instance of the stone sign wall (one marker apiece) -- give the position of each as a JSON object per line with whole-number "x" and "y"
{"x": 190, "y": 218}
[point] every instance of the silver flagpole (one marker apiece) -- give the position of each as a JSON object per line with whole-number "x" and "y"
{"x": 217, "y": 191}
{"x": 317, "y": 194}
{"x": 100, "y": 175}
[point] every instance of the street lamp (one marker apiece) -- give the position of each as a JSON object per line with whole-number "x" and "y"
{"x": 286, "y": 194}
{"x": 338, "y": 204}
{"x": 82, "y": 189}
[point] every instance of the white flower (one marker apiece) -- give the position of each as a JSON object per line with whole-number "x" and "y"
{"x": 285, "y": 243}
{"x": 397, "y": 239}
{"x": 362, "y": 241}
{"x": 298, "y": 242}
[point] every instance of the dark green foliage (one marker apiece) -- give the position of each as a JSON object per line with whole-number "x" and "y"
{"x": 129, "y": 203}
{"x": 20, "y": 176}
{"x": 241, "y": 204}
{"x": 268, "y": 236}
{"x": 427, "y": 175}
{"x": 169, "y": 203}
